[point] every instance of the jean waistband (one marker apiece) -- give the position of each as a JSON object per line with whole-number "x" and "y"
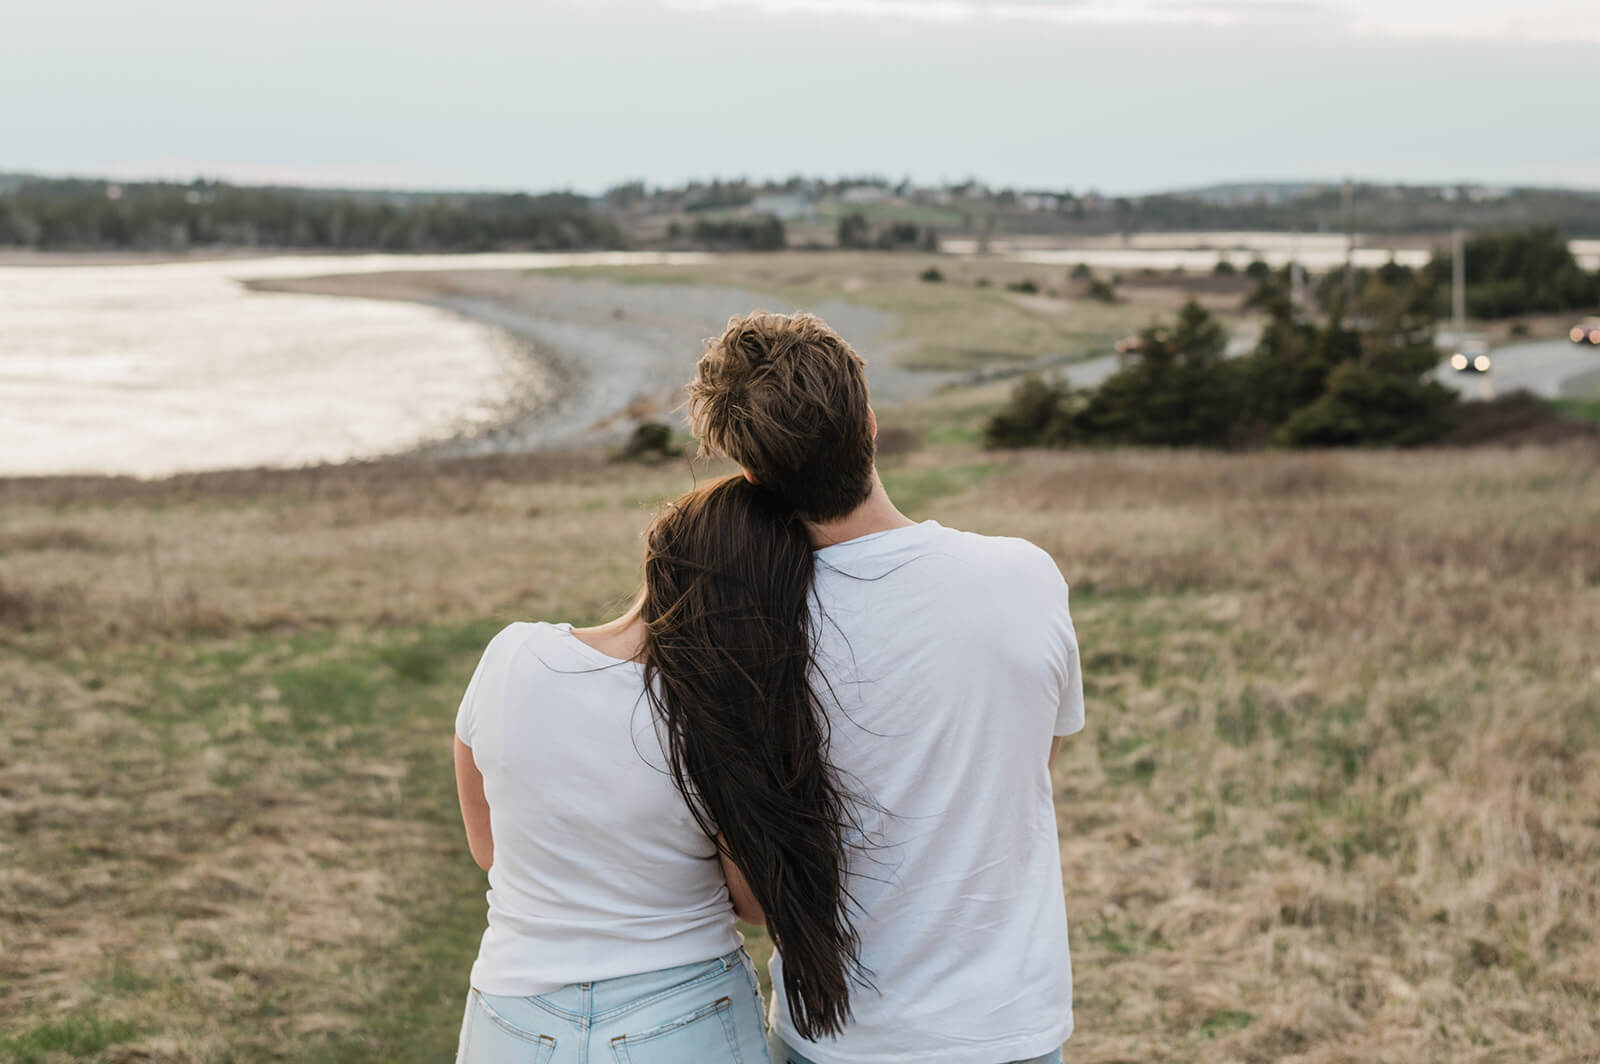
{"x": 604, "y": 997}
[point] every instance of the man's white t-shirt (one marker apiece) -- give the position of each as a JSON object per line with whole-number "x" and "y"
{"x": 950, "y": 661}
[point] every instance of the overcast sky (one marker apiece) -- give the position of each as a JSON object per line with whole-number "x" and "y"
{"x": 1117, "y": 95}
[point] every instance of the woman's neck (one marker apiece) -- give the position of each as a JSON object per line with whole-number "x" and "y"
{"x": 621, "y": 638}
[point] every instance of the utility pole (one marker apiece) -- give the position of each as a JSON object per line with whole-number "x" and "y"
{"x": 1348, "y": 199}
{"x": 1297, "y": 278}
{"x": 1458, "y": 283}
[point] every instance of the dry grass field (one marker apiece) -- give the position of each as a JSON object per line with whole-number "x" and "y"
{"x": 1338, "y": 800}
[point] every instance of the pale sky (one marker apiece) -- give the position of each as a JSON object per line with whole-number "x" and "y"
{"x": 1118, "y": 95}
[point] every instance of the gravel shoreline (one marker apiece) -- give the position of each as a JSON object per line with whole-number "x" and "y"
{"x": 603, "y": 355}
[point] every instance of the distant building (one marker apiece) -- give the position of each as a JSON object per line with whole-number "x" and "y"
{"x": 1473, "y": 193}
{"x": 864, "y": 194}
{"x": 785, "y": 206}
{"x": 1039, "y": 201}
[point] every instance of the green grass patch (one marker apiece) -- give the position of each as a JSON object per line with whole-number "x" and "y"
{"x": 1582, "y": 409}
{"x": 1225, "y": 1022}
{"x": 340, "y": 691}
{"x": 913, "y": 490}
{"x": 1124, "y": 938}
{"x": 242, "y": 705}
{"x": 75, "y": 1036}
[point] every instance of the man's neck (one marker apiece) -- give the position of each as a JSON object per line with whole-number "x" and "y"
{"x": 877, "y": 514}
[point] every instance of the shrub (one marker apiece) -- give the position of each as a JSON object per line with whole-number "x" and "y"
{"x": 1175, "y": 391}
{"x": 650, "y": 441}
{"x": 853, "y": 231}
{"x": 1101, "y": 291}
{"x": 763, "y": 233}
{"x": 1224, "y": 268}
{"x": 1365, "y": 405}
{"x": 1080, "y": 272}
{"x": 1025, "y": 286}
{"x": 1304, "y": 386}
{"x": 931, "y": 275}
{"x": 1257, "y": 270}
{"x": 1036, "y": 414}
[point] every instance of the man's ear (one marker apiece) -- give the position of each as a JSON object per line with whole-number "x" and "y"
{"x": 751, "y": 477}
{"x": 872, "y": 421}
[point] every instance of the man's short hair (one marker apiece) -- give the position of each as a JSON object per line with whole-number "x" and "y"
{"x": 786, "y": 397}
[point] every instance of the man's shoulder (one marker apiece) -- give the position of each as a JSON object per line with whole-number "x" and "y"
{"x": 1001, "y": 552}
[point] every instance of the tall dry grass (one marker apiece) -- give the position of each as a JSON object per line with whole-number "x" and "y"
{"x": 1338, "y": 798}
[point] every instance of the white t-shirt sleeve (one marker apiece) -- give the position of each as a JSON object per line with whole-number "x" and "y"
{"x": 464, "y": 713}
{"x": 1069, "y": 714}
{"x": 1064, "y": 647}
{"x": 494, "y": 658}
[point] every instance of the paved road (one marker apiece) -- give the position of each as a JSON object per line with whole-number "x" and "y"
{"x": 1548, "y": 369}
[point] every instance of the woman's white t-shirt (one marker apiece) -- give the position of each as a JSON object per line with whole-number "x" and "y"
{"x": 599, "y": 869}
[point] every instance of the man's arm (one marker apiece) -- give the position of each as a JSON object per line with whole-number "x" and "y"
{"x": 474, "y": 806}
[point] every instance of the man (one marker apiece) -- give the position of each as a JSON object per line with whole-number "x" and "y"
{"x": 950, "y": 672}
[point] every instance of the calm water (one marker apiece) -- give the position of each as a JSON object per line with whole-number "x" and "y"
{"x": 1200, "y": 252}
{"x": 154, "y": 369}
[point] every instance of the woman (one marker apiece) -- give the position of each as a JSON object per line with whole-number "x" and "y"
{"x": 623, "y": 784}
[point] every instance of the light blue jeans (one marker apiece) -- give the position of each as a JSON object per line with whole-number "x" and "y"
{"x": 707, "y": 1013}
{"x": 782, "y": 1054}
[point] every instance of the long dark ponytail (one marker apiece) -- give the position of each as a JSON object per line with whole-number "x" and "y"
{"x": 728, "y": 655}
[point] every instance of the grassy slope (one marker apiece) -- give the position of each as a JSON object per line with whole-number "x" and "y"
{"x": 955, "y": 325}
{"x": 1336, "y": 798}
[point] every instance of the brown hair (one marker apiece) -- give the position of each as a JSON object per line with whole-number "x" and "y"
{"x": 728, "y": 666}
{"x": 786, "y": 397}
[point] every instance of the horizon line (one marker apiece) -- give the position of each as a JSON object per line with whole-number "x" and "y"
{"x": 335, "y": 185}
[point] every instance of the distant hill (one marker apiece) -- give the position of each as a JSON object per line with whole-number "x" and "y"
{"x": 96, "y": 213}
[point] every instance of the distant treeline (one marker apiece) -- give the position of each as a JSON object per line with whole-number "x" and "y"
{"x": 760, "y": 232}
{"x": 70, "y": 215}
{"x": 1375, "y": 209}
{"x": 855, "y": 231}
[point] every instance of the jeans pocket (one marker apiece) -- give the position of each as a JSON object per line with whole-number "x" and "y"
{"x": 487, "y": 1037}
{"x": 704, "y": 1036}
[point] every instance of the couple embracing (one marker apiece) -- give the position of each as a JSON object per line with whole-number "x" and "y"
{"x": 818, "y": 716}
